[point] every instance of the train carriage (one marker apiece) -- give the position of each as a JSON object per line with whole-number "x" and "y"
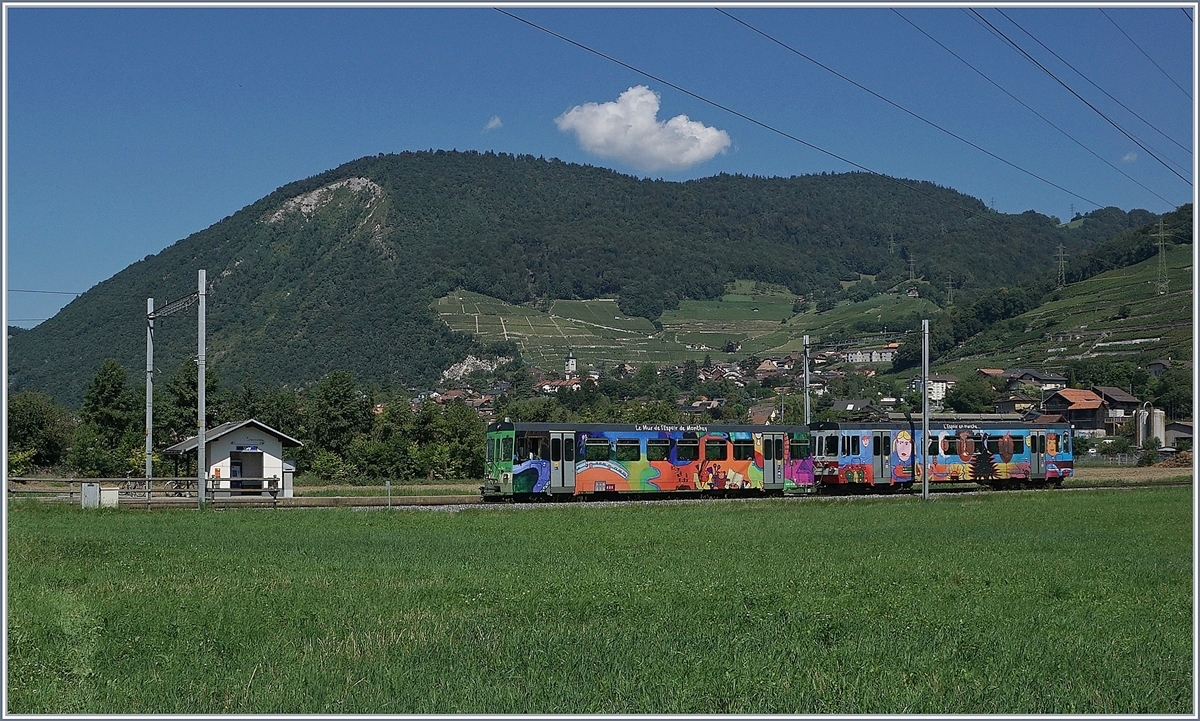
{"x": 993, "y": 453}
{"x": 531, "y": 460}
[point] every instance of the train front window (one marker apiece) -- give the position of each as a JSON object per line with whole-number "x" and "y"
{"x": 506, "y": 450}
{"x": 491, "y": 450}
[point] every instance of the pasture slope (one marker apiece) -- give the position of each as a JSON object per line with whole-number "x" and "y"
{"x": 1035, "y": 602}
{"x": 759, "y": 316}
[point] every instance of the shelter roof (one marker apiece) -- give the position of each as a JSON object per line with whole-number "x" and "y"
{"x": 224, "y": 429}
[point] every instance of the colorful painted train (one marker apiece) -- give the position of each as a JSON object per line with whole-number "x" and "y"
{"x": 564, "y": 461}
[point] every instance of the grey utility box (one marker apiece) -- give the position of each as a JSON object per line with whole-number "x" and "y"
{"x": 93, "y": 496}
{"x": 90, "y": 493}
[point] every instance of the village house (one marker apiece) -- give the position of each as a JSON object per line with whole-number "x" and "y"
{"x": 1119, "y": 407}
{"x": 1084, "y": 410}
{"x": 938, "y": 386}
{"x": 1020, "y": 377}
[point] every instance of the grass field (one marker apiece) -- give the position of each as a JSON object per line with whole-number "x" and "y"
{"x": 1065, "y": 602}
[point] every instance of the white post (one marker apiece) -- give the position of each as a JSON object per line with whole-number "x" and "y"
{"x": 806, "y": 380}
{"x": 925, "y": 409}
{"x": 149, "y": 392}
{"x": 201, "y": 471}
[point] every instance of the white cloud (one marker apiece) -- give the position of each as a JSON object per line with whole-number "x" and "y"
{"x": 628, "y": 130}
{"x": 493, "y": 123}
{"x": 1130, "y": 157}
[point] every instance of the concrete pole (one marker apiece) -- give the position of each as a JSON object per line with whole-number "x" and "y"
{"x": 806, "y": 380}
{"x": 925, "y": 408}
{"x": 201, "y": 470}
{"x": 149, "y": 391}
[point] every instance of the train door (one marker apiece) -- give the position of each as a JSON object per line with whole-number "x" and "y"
{"x": 881, "y": 456}
{"x": 772, "y": 444}
{"x": 1037, "y": 454}
{"x": 562, "y": 461}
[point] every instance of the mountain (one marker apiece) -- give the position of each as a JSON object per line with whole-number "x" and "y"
{"x": 338, "y": 271}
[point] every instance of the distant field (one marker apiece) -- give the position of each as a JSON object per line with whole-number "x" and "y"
{"x": 1039, "y": 602}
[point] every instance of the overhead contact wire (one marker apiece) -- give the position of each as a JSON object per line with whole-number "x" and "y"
{"x": 1030, "y": 109}
{"x": 759, "y": 123}
{"x": 906, "y": 110}
{"x": 1083, "y": 100}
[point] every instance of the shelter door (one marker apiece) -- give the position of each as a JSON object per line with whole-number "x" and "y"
{"x": 881, "y": 456}
{"x": 772, "y": 444}
{"x": 562, "y": 462}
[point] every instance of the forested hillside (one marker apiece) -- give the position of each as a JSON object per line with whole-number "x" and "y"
{"x": 337, "y": 271}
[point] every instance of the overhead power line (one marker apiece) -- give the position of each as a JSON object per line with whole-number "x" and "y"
{"x": 55, "y": 292}
{"x": 1027, "y": 107}
{"x": 1071, "y": 90}
{"x": 1107, "y": 94}
{"x": 1143, "y": 52}
{"x": 759, "y": 123}
{"x": 906, "y": 110}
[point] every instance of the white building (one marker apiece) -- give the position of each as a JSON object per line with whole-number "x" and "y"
{"x": 938, "y": 385}
{"x": 239, "y": 450}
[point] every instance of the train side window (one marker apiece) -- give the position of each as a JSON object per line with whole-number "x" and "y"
{"x": 687, "y": 449}
{"x": 845, "y": 446}
{"x": 799, "y": 448}
{"x": 855, "y": 446}
{"x": 658, "y": 449}
{"x": 569, "y": 450}
{"x": 556, "y": 449}
{"x": 491, "y": 450}
{"x": 931, "y": 449}
{"x": 876, "y": 446}
{"x": 596, "y": 451}
{"x": 993, "y": 445}
{"x": 1018, "y": 445}
{"x": 887, "y": 445}
{"x": 743, "y": 450}
{"x": 716, "y": 449}
{"x": 629, "y": 450}
{"x": 506, "y": 450}
{"x": 779, "y": 449}
{"x": 1067, "y": 443}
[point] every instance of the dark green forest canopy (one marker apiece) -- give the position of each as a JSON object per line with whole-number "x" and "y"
{"x": 337, "y": 271}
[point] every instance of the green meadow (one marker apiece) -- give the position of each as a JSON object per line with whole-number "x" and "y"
{"x": 1034, "y": 602}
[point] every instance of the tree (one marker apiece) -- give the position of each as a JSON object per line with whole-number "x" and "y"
{"x": 336, "y": 411}
{"x": 38, "y": 427}
{"x": 108, "y": 403}
{"x": 973, "y": 395}
{"x": 175, "y": 408}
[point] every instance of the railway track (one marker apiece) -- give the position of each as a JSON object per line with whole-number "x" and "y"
{"x": 449, "y": 501}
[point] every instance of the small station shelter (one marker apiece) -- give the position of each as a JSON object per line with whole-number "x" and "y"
{"x": 244, "y": 457}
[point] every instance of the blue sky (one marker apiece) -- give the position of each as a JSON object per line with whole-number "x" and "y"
{"x": 130, "y": 128}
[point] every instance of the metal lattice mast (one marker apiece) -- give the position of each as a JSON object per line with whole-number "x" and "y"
{"x": 1062, "y": 266}
{"x": 1160, "y": 286}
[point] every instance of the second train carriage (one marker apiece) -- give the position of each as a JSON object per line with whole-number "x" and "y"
{"x": 992, "y": 453}
{"x": 571, "y": 460}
